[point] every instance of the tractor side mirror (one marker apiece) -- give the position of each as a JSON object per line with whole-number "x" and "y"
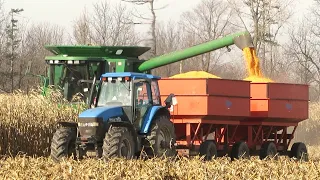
{"x": 170, "y": 100}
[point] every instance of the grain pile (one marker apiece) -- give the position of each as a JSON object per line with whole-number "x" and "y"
{"x": 183, "y": 168}
{"x": 27, "y": 122}
{"x": 195, "y": 74}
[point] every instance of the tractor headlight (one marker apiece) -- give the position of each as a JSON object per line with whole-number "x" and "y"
{"x": 88, "y": 124}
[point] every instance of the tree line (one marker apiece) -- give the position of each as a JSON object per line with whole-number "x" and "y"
{"x": 293, "y": 60}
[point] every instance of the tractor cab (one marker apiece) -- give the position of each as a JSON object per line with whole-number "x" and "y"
{"x": 135, "y": 93}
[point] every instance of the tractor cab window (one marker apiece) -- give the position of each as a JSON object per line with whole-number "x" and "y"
{"x": 155, "y": 92}
{"x": 115, "y": 93}
{"x": 143, "y": 101}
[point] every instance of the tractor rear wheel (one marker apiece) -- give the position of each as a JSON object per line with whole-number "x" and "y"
{"x": 161, "y": 138}
{"x": 118, "y": 142}
{"x": 299, "y": 151}
{"x": 209, "y": 149}
{"x": 240, "y": 150}
{"x": 63, "y": 143}
{"x": 268, "y": 150}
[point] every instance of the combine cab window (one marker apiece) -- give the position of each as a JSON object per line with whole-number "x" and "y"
{"x": 66, "y": 77}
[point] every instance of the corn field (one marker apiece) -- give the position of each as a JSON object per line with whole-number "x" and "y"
{"x": 27, "y": 123}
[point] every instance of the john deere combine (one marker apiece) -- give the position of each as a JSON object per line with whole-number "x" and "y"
{"x": 72, "y": 68}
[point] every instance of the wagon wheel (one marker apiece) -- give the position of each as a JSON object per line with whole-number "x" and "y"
{"x": 240, "y": 150}
{"x": 299, "y": 151}
{"x": 269, "y": 151}
{"x": 208, "y": 149}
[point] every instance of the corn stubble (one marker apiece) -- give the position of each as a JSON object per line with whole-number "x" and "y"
{"x": 27, "y": 123}
{"x": 183, "y": 168}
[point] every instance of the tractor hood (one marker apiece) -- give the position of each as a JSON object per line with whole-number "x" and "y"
{"x": 103, "y": 113}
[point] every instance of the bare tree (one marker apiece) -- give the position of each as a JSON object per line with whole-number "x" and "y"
{"x": 303, "y": 52}
{"x": 34, "y": 52}
{"x": 81, "y": 29}
{"x": 208, "y": 21}
{"x": 148, "y": 20}
{"x": 168, "y": 39}
{"x": 109, "y": 26}
{"x": 3, "y": 48}
{"x": 264, "y": 19}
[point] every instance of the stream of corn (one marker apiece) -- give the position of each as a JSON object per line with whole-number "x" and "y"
{"x": 254, "y": 73}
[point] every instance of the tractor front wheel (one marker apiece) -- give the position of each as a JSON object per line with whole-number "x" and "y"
{"x": 161, "y": 138}
{"x": 118, "y": 142}
{"x": 63, "y": 143}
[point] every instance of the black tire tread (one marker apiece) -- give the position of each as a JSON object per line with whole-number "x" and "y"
{"x": 112, "y": 139}
{"x": 235, "y": 150}
{"x": 60, "y": 143}
{"x": 151, "y": 138}
{"x": 295, "y": 151}
{"x": 204, "y": 149}
{"x": 264, "y": 150}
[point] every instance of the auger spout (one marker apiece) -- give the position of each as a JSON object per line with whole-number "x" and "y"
{"x": 240, "y": 39}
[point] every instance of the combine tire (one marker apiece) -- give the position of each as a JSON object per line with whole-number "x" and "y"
{"x": 161, "y": 138}
{"x": 118, "y": 143}
{"x": 299, "y": 151}
{"x": 208, "y": 149}
{"x": 240, "y": 150}
{"x": 268, "y": 151}
{"x": 63, "y": 143}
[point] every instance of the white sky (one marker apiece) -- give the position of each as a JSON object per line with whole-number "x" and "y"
{"x": 64, "y": 12}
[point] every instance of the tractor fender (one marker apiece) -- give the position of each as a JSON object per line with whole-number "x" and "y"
{"x": 131, "y": 128}
{"x": 151, "y": 113}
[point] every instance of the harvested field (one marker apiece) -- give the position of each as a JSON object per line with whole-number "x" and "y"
{"x": 28, "y": 121}
{"x": 183, "y": 168}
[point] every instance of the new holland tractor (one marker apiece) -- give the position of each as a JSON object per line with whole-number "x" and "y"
{"x": 127, "y": 118}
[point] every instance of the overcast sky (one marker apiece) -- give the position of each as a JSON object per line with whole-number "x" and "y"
{"x": 64, "y": 12}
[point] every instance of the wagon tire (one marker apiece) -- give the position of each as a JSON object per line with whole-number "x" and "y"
{"x": 161, "y": 139}
{"x": 208, "y": 149}
{"x": 268, "y": 151}
{"x": 240, "y": 150}
{"x": 299, "y": 151}
{"x": 63, "y": 144}
{"x": 118, "y": 143}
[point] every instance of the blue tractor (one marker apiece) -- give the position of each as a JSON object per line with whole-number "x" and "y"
{"x": 126, "y": 118}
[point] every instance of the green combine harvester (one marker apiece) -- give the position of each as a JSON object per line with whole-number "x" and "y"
{"x": 73, "y": 68}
